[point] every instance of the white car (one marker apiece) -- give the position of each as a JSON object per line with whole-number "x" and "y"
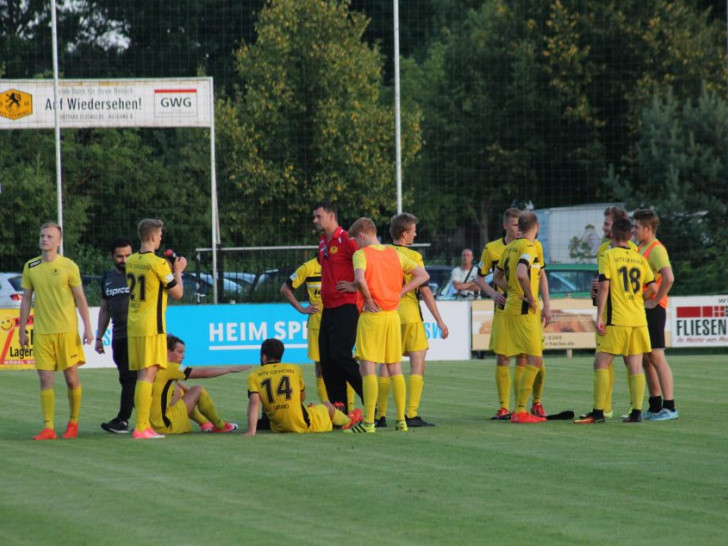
{"x": 11, "y": 293}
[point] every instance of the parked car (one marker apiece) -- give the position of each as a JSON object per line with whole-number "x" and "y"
{"x": 439, "y": 276}
{"x": 244, "y": 280}
{"x": 565, "y": 281}
{"x": 267, "y": 284}
{"x": 11, "y": 292}
{"x": 199, "y": 289}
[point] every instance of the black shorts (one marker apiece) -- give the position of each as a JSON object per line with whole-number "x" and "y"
{"x": 656, "y": 326}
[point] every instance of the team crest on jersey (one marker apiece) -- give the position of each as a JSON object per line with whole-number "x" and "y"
{"x": 334, "y": 249}
{"x": 55, "y": 272}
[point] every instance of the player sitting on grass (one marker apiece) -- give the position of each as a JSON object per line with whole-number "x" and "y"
{"x": 621, "y": 321}
{"x": 174, "y": 402}
{"x": 280, "y": 389}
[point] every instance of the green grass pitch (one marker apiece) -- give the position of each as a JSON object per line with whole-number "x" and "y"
{"x": 466, "y": 481}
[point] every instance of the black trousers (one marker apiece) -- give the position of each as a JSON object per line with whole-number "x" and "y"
{"x": 336, "y": 343}
{"x": 127, "y": 378}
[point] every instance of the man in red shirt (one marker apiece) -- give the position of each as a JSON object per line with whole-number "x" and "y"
{"x": 340, "y": 314}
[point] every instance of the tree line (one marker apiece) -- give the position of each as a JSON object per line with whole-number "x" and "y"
{"x": 556, "y": 103}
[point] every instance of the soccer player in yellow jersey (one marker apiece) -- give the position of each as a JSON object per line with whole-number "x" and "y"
{"x": 657, "y": 370}
{"x": 150, "y": 279}
{"x": 488, "y": 262}
{"x": 611, "y": 214}
{"x": 403, "y": 230}
{"x": 378, "y": 274}
{"x": 56, "y": 283}
{"x": 309, "y": 273}
{"x": 280, "y": 389}
{"x": 174, "y": 403}
{"x": 621, "y": 322}
{"x": 519, "y": 274}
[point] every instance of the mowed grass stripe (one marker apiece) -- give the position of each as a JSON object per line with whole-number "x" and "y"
{"x": 467, "y": 480}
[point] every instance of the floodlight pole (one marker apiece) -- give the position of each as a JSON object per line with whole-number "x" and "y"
{"x": 397, "y": 115}
{"x": 213, "y": 197}
{"x": 56, "y": 100}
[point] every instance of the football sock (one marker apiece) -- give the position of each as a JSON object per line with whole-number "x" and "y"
{"x": 48, "y": 406}
{"x": 539, "y": 383}
{"x": 415, "y": 384}
{"x": 637, "y": 390}
{"x": 370, "y": 388}
{"x": 74, "y": 403}
{"x": 601, "y": 387}
{"x": 610, "y": 388}
{"x": 655, "y": 404}
{"x": 321, "y": 389}
{"x": 197, "y": 417}
{"x": 399, "y": 390}
{"x": 383, "y": 398}
{"x": 207, "y": 408}
{"x": 517, "y": 376}
{"x": 525, "y": 387}
{"x": 503, "y": 384}
{"x": 340, "y": 419}
{"x": 350, "y": 397}
{"x": 143, "y": 404}
{"x": 669, "y": 404}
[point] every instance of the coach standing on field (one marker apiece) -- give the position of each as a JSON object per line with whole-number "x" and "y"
{"x": 340, "y": 314}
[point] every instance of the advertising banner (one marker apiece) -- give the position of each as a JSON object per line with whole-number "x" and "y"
{"x": 12, "y": 355}
{"x": 572, "y": 324}
{"x": 456, "y": 315}
{"x": 28, "y": 104}
{"x": 699, "y": 321}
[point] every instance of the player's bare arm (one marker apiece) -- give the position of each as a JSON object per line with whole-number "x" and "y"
{"x": 431, "y": 305}
{"x": 178, "y": 266}
{"x": 668, "y": 279}
{"x": 525, "y": 282}
{"x": 601, "y": 304}
{"x": 24, "y": 316}
{"x": 103, "y": 324}
{"x": 290, "y": 297}
{"x": 419, "y": 277}
{"x": 253, "y": 409}
{"x": 82, "y": 305}
{"x": 363, "y": 287}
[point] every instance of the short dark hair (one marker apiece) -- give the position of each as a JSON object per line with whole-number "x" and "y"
{"x": 401, "y": 223}
{"x": 621, "y": 229}
{"x": 272, "y": 348}
{"x": 118, "y": 242}
{"x": 172, "y": 342}
{"x": 647, "y": 217}
{"x": 615, "y": 212}
{"x": 526, "y": 221}
{"x": 328, "y": 206}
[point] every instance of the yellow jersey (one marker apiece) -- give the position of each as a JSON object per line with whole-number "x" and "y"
{"x": 521, "y": 251}
{"x": 309, "y": 273}
{"x": 409, "y": 306}
{"x": 279, "y": 387}
{"x": 54, "y": 310}
{"x": 628, "y": 273}
{"x": 147, "y": 276}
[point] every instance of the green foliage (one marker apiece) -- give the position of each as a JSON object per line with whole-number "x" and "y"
{"x": 308, "y": 124}
{"x": 680, "y": 166}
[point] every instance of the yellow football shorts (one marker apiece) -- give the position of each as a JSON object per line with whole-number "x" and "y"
{"x": 178, "y": 419}
{"x": 147, "y": 351}
{"x": 497, "y": 335}
{"x": 624, "y": 340}
{"x": 379, "y": 338}
{"x": 57, "y": 352}
{"x": 523, "y": 334}
{"x": 319, "y": 418}
{"x": 414, "y": 337}
{"x": 313, "y": 344}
